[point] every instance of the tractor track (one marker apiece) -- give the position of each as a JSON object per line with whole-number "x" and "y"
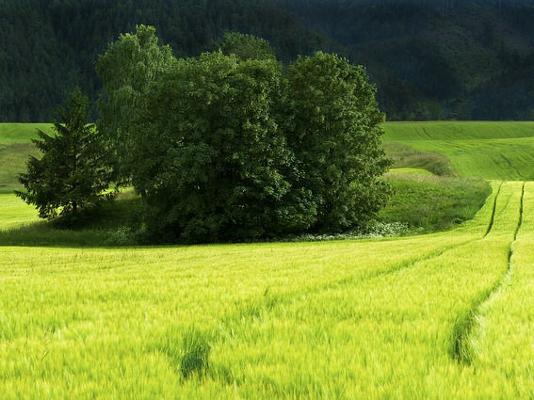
{"x": 270, "y": 301}
{"x": 494, "y": 211}
{"x": 466, "y": 325}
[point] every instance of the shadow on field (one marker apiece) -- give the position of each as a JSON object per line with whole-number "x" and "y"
{"x": 111, "y": 225}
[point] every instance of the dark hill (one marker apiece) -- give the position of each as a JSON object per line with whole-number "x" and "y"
{"x": 430, "y": 59}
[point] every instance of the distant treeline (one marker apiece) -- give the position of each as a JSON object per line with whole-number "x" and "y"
{"x": 441, "y": 59}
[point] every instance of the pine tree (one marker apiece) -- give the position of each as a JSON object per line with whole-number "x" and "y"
{"x": 73, "y": 172}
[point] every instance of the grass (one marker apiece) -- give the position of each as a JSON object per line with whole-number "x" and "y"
{"x": 15, "y": 147}
{"x": 405, "y": 158}
{"x": 339, "y": 319}
{"x": 108, "y": 225}
{"x": 432, "y": 203}
{"x": 491, "y": 150}
{"x": 410, "y": 171}
{"x": 231, "y": 321}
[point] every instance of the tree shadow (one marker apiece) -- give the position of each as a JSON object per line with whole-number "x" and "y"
{"x": 113, "y": 224}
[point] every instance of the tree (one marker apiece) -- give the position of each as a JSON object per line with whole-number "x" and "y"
{"x": 127, "y": 69}
{"x": 72, "y": 173}
{"x": 332, "y": 125}
{"x": 216, "y": 164}
{"x": 246, "y": 47}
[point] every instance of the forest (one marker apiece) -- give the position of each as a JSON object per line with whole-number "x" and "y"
{"x": 440, "y": 59}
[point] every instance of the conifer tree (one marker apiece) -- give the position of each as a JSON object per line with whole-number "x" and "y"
{"x": 73, "y": 172}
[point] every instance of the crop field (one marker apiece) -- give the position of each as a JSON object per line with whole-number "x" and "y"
{"x": 442, "y": 315}
{"x": 15, "y": 146}
{"x": 491, "y": 150}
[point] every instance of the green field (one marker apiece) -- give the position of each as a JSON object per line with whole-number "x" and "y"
{"x": 15, "y": 146}
{"x": 442, "y": 315}
{"x": 491, "y": 150}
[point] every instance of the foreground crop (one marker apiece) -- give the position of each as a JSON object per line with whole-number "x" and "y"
{"x": 386, "y": 318}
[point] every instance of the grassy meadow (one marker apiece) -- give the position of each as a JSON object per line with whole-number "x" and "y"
{"x": 15, "y": 147}
{"x": 491, "y": 150}
{"x": 441, "y": 315}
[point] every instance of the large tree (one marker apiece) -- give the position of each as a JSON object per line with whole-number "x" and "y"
{"x": 246, "y": 47}
{"x": 72, "y": 173}
{"x": 127, "y": 69}
{"x": 332, "y": 124}
{"x": 216, "y": 164}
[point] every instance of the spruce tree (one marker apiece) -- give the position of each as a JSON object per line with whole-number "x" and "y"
{"x": 72, "y": 173}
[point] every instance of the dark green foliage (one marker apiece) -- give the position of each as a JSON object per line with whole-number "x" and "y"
{"x": 215, "y": 165}
{"x": 73, "y": 172}
{"x": 246, "y": 47}
{"x": 190, "y": 355}
{"x": 429, "y": 59}
{"x": 434, "y": 203}
{"x": 195, "y": 353}
{"x": 333, "y": 128}
{"x": 226, "y": 147}
{"x": 127, "y": 69}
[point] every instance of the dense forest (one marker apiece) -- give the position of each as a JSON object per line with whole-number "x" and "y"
{"x": 440, "y": 59}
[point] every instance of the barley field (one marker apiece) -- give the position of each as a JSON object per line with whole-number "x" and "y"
{"x": 442, "y": 315}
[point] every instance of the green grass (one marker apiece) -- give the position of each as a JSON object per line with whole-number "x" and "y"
{"x": 430, "y": 202}
{"x": 238, "y": 321}
{"x": 406, "y": 157}
{"x": 14, "y": 133}
{"x": 441, "y": 315}
{"x": 410, "y": 171}
{"x": 491, "y": 150}
{"x": 15, "y": 148}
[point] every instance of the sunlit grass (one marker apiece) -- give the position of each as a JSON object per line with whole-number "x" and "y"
{"x": 340, "y": 319}
{"x": 257, "y": 321}
{"x": 492, "y": 150}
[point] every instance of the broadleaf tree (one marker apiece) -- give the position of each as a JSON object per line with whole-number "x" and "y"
{"x": 127, "y": 68}
{"x": 216, "y": 161}
{"x": 246, "y": 47}
{"x": 333, "y": 126}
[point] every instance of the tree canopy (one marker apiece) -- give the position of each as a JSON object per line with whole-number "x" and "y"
{"x": 230, "y": 145}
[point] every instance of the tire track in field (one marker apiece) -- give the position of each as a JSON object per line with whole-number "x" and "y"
{"x": 494, "y": 211}
{"x": 462, "y": 347}
{"x": 256, "y": 308}
{"x": 397, "y": 267}
{"x": 269, "y": 302}
{"x": 253, "y": 309}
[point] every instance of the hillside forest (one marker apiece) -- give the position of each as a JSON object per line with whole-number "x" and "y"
{"x": 442, "y": 59}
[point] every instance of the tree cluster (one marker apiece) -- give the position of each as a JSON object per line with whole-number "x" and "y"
{"x": 230, "y": 145}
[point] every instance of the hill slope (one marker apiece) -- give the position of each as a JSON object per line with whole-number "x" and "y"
{"x": 430, "y": 59}
{"x": 492, "y": 150}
